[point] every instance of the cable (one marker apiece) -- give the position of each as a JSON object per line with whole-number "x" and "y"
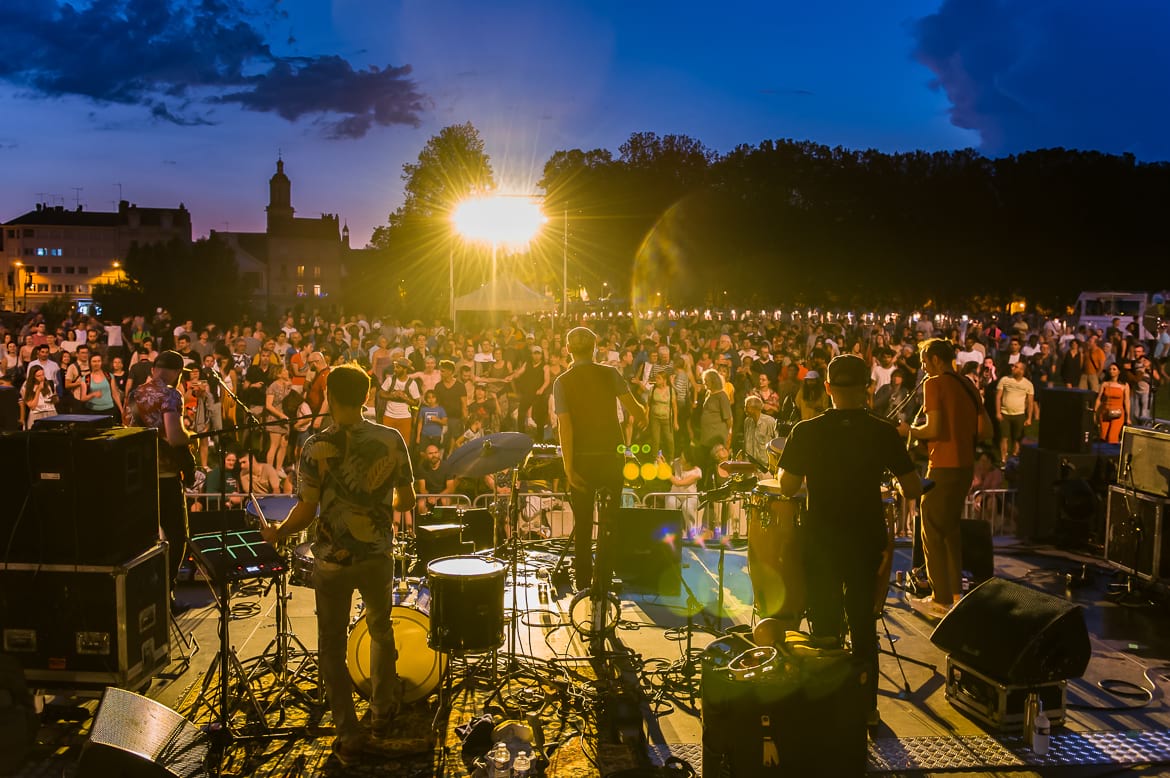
{"x": 1121, "y": 688}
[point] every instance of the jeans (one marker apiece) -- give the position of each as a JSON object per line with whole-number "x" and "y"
{"x": 334, "y": 585}
{"x": 603, "y": 475}
{"x": 842, "y": 582}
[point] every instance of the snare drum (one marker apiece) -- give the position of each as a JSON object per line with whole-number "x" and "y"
{"x": 467, "y": 604}
{"x": 419, "y": 667}
{"x": 775, "y": 561}
{"x": 303, "y": 564}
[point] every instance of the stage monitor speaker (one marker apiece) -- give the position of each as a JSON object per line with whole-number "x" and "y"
{"x": 1144, "y": 463}
{"x": 135, "y": 737}
{"x": 1066, "y": 419}
{"x": 1016, "y": 635}
{"x": 1136, "y": 538}
{"x": 79, "y": 497}
{"x": 647, "y": 550}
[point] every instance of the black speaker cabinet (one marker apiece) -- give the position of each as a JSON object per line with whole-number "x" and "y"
{"x": 1144, "y": 464}
{"x": 1136, "y": 538}
{"x": 792, "y": 716}
{"x": 79, "y": 497}
{"x": 136, "y": 737}
{"x": 1066, "y": 419}
{"x": 87, "y": 626}
{"x": 1016, "y": 635}
{"x": 647, "y": 549}
{"x": 1061, "y": 494}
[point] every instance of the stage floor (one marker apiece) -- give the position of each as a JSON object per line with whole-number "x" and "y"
{"x": 551, "y": 675}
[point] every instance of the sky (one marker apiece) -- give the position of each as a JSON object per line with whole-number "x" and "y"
{"x": 168, "y": 101}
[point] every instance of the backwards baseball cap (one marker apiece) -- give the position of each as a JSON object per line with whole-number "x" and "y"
{"x": 581, "y": 339}
{"x": 848, "y": 370}
{"x": 170, "y": 360}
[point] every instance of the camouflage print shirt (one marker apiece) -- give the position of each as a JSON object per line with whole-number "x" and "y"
{"x": 352, "y": 471}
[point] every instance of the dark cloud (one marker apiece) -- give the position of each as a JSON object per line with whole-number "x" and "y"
{"x": 330, "y": 84}
{"x": 169, "y": 55}
{"x": 1029, "y": 74}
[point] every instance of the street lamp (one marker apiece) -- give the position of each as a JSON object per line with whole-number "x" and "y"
{"x": 21, "y": 279}
{"x": 495, "y": 219}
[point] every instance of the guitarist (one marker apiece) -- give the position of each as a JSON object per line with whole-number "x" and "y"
{"x": 955, "y": 421}
{"x": 157, "y": 404}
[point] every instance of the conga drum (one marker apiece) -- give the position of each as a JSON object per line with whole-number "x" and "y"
{"x": 775, "y": 560}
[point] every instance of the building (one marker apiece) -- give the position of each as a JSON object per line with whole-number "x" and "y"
{"x": 55, "y": 252}
{"x": 295, "y": 260}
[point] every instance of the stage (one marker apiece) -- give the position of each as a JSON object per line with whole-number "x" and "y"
{"x": 640, "y": 704}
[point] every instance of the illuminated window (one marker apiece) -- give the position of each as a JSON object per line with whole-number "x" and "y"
{"x": 300, "y": 290}
{"x": 56, "y": 253}
{"x": 42, "y": 252}
{"x": 300, "y": 271}
{"x": 316, "y": 271}
{"x": 42, "y": 287}
{"x": 316, "y": 290}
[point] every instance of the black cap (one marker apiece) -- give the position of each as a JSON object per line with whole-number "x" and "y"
{"x": 848, "y": 370}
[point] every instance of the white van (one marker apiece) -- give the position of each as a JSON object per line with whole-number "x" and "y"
{"x": 1099, "y": 309}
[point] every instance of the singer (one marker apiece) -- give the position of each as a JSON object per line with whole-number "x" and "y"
{"x": 586, "y": 398}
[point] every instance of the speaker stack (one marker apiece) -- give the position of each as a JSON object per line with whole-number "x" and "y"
{"x": 1063, "y": 481}
{"x": 1135, "y": 537}
{"x": 83, "y": 577}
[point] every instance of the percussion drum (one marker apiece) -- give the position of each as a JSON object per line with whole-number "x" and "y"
{"x": 774, "y": 554}
{"x": 893, "y": 508}
{"x": 775, "y": 448}
{"x": 467, "y": 604}
{"x": 303, "y": 563}
{"x": 419, "y": 667}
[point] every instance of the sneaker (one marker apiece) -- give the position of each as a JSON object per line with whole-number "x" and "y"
{"x": 930, "y": 606}
{"x": 873, "y": 718}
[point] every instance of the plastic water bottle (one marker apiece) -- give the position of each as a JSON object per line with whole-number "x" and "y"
{"x": 499, "y": 761}
{"x": 1041, "y": 732}
{"x": 522, "y": 765}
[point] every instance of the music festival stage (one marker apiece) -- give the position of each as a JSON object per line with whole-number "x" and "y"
{"x": 637, "y": 700}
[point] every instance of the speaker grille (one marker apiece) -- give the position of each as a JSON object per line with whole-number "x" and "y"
{"x": 1016, "y": 635}
{"x": 136, "y": 736}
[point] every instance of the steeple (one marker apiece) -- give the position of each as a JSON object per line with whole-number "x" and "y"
{"x": 345, "y": 234}
{"x": 280, "y": 208}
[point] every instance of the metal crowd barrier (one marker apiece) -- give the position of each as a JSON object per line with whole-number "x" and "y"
{"x": 550, "y": 510}
{"x": 995, "y": 506}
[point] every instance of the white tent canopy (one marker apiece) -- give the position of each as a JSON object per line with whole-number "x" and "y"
{"x": 504, "y": 294}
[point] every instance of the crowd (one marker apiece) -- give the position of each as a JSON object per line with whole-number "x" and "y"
{"x": 714, "y": 387}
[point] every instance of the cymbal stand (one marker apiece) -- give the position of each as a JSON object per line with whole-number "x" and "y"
{"x": 280, "y": 653}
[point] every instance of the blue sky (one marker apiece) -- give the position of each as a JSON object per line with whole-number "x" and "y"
{"x": 190, "y": 100}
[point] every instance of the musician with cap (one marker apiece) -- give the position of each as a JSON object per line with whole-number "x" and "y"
{"x": 842, "y": 456}
{"x": 156, "y": 403}
{"x": 586, "y": 398}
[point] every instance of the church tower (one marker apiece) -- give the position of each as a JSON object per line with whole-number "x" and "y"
{"x": 280, "y": 210}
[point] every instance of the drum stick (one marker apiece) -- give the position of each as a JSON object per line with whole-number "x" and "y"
{"x": 259, "y": 511}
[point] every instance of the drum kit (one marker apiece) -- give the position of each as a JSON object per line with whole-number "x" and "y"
{"x": 455, "y": 610}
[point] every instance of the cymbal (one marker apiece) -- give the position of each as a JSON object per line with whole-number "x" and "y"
{"x": 488, "y": 454}
{"x": 738, "y": 467}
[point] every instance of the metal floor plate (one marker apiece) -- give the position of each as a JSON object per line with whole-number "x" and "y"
{"x": 974, "y": 752}
{"x": 892, "y": 755}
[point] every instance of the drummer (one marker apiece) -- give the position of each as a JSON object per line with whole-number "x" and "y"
{"x": 843, "y": 454}
{"x": 352, "y": 546}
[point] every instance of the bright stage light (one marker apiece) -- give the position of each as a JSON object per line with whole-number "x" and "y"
{"x": 501, "y": 220}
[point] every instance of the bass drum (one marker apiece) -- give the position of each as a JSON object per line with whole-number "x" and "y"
{"x": 775, "y": 561}
{"x": 419, "y": 667}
